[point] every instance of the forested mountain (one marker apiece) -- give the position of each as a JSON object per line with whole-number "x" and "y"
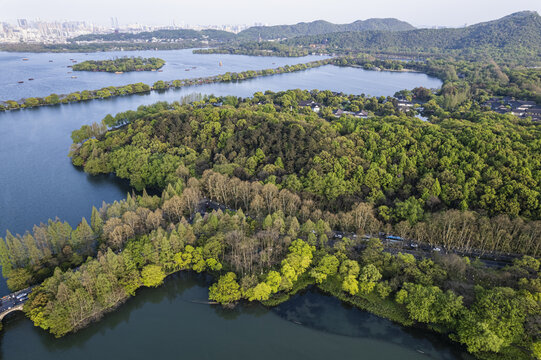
{"x": 253, "y": 33}
{"x": 520, "y": 31}
{"x": 321, "y": 27}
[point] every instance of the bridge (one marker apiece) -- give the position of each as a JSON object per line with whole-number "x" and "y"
{"x": 13, "y": 302}
{"x": 9, "y": 311}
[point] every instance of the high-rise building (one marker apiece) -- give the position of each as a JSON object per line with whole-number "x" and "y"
{"x": 22, "y": 23}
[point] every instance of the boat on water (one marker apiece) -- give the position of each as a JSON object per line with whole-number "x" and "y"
{"x": 152, "y": 69}
{"x": 74, "y": 77}
{"x": 221, "y": 64}
{"x": 20, "y": 82}
{"x": 119, "y": 72}
{"x": 69, "y": 72}
{"x": 186, "y": 69}
{"x": 194, "y": 67}
{"x": 160, "y": 70}
{"x": 30, "y": 79}
{"x": 25, "y": 59}
{"x": 50, "y": 61}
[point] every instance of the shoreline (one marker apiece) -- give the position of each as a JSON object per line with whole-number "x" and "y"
{"x": 160, "y": 85}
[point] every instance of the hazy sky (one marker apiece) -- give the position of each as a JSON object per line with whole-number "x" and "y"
{"x": 158, "y": 12}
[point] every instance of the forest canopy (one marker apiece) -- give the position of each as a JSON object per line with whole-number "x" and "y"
{"x": 407, "y": 169}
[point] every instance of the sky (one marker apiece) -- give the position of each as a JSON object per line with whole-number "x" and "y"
{"x": 217, "y": 12}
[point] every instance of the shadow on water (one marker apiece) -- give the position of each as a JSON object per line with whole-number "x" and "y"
{"x": 314, "y": 309}
{"x": 183, "y": 286}
{"x": 174, "y": 287}
{"x": 105, "y": 179}
{"x": 188, "y": 292}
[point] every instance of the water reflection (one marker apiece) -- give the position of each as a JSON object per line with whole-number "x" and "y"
{"x": 328, "y": 314}
{"x": 172, "y": 318}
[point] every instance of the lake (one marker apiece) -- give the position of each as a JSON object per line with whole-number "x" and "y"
{"x": 166, "y": 323}
{"x": 56, "y": 77}
{"x": 39, "y": 182}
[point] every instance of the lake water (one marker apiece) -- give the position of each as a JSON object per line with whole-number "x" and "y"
{"x": 165, "y": 323}
{"x": 38, "y": 182}
{"x": 54, "y": 77}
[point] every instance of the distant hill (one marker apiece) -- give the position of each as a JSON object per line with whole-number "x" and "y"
{"x": 253, "y": 33}
{"x": 321, "y": 27}
{"x": 518, "y": 31}
{"x": 216, "y": 35}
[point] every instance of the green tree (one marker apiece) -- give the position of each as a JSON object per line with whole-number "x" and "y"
{"x": 226, "y": 290}
{"x": 327, "y": 266}
{"x": 152, "y": 275}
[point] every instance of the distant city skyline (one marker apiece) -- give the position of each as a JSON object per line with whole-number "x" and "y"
{"x": 166, "y": 12}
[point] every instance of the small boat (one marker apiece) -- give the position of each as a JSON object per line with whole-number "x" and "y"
{"x": 194, "y": 67}
{"x": 25, "y": 59}
{"x": 20, "y": 82}
{"x": 186, "y": 69}
{"x": 31, "y": 79}
{"x": 221, "y": 64}
{"x": 69, "y": 72}
{"x": 160, "y": 70}
{"x": 50, "y": 61}
{"x": 74, "y": 77}
{"x": 152, "y": 69}
{"x": 119, "y": 72}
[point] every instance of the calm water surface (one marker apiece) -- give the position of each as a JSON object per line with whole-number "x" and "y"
{"x": 54, "y": 77}
{"x": 38, "y": 182}
{"x": 165, "y": 323}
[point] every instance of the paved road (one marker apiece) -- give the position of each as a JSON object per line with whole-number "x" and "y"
{"x": 391, "y": 243}
{"x": 9, "y": 301}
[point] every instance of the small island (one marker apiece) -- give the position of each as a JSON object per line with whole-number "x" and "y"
{"x": 119, "y": 65}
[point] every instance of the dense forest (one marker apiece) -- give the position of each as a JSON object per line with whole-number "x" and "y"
{"x": 409, "y": 171}
{"x": 125, "y": 64}
{"x": 255, "y": 33}
{"x": 267, "y": 256}
{"x": 514, "y": 39}
{"x": 516, "y": 36}
{"x": 463, "y": 80}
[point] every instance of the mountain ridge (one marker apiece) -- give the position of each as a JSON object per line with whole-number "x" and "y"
{"x": 322, "y": 27}
{"x": 518, "y": 30}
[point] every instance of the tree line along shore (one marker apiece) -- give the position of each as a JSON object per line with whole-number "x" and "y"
{"x": 137, "y": 88}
